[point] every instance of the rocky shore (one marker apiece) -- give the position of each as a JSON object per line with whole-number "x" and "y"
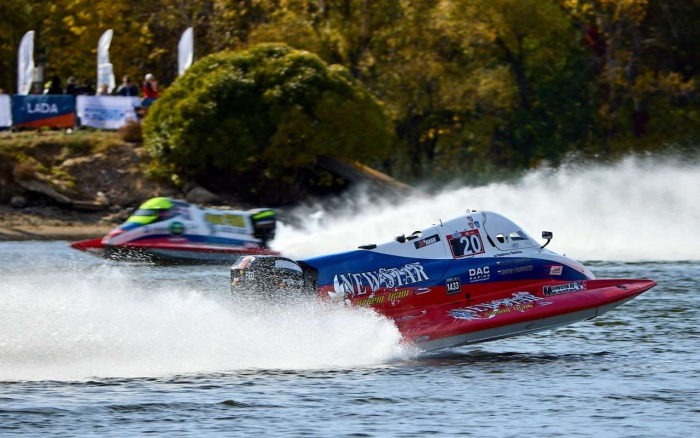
{"x": 68, "y": 186}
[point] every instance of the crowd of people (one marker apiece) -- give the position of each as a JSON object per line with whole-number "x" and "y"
{"x": 149, "y": 89}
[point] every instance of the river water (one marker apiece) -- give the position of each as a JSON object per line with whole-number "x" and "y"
{"x": 89, "y": 347}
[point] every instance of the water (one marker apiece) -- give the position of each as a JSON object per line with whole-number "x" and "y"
{"x": 96, "y": 348}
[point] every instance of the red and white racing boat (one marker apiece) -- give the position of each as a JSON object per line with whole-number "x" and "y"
{"x": 476, "y": 278}
{"x": 170, "y": 231}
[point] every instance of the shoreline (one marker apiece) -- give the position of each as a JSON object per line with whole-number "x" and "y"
{"x": 23, "y": 233}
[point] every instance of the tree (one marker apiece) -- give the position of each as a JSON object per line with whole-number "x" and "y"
{"x": 264, "y": 114}
{"x": 14, "y": 22}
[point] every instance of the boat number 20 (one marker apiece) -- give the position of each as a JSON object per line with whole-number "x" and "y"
{"x": 465, "y": 244}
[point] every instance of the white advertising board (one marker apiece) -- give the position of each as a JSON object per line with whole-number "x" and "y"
{"x": 106, "y": 112}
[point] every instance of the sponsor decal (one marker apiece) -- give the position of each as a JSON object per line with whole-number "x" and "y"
{"x": 423, "y": 338}
{"x": 465, "y": 244}
{"x": 516, "y": 270}
{"x": 370, "y": 301}
{"x": 477, "y": 224}
{"x": 505, "y": 254}
{"x": 288, "y": 282}
{"x": 250, "y": 275}
{"x": 564, "y": 288}
{"x": 243, "y": 263}
{"x": 427, "y": 241}
{"x": 42, "y": 108}
{"x": 471, "y": 222}
{"x": 231, "y": 230}
{"x": 512, "y": 261}
{"x": 520, "y": 302}
{"x": 177, "y": 229}
{"x": 234, "y": 220}
{"x": 34, "y": 111}
{"x": 454, "y": 285}
{"x": 479, "y": 274}
{"x": 354, "y": 284}
{"x": 397, "y": 295}
{"x": 409, "y": 317}
{"x": 556, "y": 270}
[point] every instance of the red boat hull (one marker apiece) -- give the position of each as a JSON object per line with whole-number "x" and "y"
{"x": 512, "y": 312}
{"x": 168, "y": 252}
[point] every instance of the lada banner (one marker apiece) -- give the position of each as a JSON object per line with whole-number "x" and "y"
{"x": 107, "y": 112}
{"x": 37, "y": 110}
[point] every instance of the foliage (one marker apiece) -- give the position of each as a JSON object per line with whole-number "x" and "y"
{"x": 264, "y": 114}
{"x": 472, "y": 86}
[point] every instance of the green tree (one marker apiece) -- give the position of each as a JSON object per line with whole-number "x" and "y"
{"x": 264, "y": 115}
{"x": 14, "y": 22}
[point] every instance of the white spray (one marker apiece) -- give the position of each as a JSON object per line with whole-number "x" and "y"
{"x": 99, "y": 324}
{"x": 633, "y": 210}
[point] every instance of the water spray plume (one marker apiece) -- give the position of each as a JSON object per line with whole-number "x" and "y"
{"x": 633, "y": 210}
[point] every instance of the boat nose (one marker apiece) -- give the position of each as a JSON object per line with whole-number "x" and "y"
{"x": 112, "y": 234}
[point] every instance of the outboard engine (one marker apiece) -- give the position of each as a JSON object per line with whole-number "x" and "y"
{"x": 271, "y": 277}
{"x": 264, "y": 224}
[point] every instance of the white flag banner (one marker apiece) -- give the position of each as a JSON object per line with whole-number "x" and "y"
{"x": 106, "y": 112}
{"x": 25, "y": 67}
{"x": 105, "y": 74}
{"x": 5, "y": 111}
{"x": 185, "y": 51}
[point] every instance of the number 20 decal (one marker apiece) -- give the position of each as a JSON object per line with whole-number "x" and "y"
{"x": 465, "y": 244}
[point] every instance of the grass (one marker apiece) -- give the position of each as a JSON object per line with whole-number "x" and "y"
{"x": 53, "y": 147}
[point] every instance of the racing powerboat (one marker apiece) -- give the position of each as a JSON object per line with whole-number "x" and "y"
{"x": 170, "y": 231}
{"x": 476, "y": 278}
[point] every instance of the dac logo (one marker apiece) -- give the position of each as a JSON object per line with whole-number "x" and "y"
{"x": 479, "y": 274}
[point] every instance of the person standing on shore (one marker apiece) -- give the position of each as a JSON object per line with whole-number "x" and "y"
{"x": 54, "y": 87}
{"x": 86, "y": 89}
{"x": 127, "y": 88}
{"x": 150, "y": 87}
{"x": 72, "y": 86}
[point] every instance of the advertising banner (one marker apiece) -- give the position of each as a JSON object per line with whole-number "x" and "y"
{"x": 107, "y": 112}
{"x": 105, "y": 75}
{"x": 5, "y": 111}
{"x": 36, "y": 110}
{"x": 25, "y": 63}
{"x": 185, "y": 51}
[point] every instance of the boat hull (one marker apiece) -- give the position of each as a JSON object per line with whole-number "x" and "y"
{"x": 458, "y": 324}
{"x": 168, "y": 252}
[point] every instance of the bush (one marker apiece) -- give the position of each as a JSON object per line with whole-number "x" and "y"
{"x": 131, "y": 132}
{"x": 263, "y": 116}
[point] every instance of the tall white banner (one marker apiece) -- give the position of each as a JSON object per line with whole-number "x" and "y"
{"x": 185, "y": 51}
{"x": 25, "y": 64}
{"x": 106, "y": 112}
{"x": 105, "y": 74}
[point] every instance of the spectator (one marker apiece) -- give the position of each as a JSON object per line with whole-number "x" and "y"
{"x": 54, "y": 87}
{"x": 104, "y": 90}
{"x": 150, "y": 87}
{"x": 86, "y": 89}
{"x": 72, "y": 86}
{"x": 127, "y": 88}
{"x": 36, "y": 88}
{"x": 2, "y": 91}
